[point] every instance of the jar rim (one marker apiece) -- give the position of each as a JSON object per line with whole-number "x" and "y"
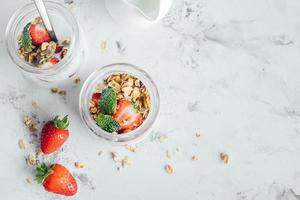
{"x": 132, "y": 136}
{"x": 13, "y": 24}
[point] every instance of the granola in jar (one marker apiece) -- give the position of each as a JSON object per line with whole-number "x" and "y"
{"x": 122, "y": 105}
{"x": 36, "y": 47}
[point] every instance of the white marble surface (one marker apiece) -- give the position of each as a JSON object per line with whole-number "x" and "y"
{"x": 227, "y": 69}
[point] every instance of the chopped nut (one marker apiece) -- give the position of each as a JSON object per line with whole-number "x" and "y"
{"x": 131, "y": 148}
{"x": 93, "y": 109}
{"x": 54, "y": 90}
{"x": 31, "y": 160}
{"x": 29, "y": 180}
{"x": 78, "y": 165}
{"x": 62, "y": 92}
{"x": 44, "y": 46}
{"x": 34, "y": 105}
{"x": 22, "y": 144}
{"x": 137, "y": 83}
{"x": 126, "y": 161}
{"x": 28, "y": 122}
{"x": 169, "y": 169}
{"x": 77, "y": 80}
{"x": 194, "y": 158}
{"x": 115, "y": 157}
{"x": 224, "y": 157}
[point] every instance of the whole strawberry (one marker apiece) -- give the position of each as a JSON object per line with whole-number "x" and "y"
{"x": 57, "y": 179}
{"x": 54, "y": 134}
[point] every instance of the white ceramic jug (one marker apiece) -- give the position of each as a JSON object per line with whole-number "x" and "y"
{"x": 138, "y": 12}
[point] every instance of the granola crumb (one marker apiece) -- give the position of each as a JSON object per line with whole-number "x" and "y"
{"x": 103, "y": 45}
{"x": 77, "y": 80}
{"x": 22, "y": 144}
{"x": 29, "y": 124}
{"x": 99, "y": 153}
{"x": 62, "y": 92}
{"x": 78, "y": 165}
{"x": 168, "y": 154}
{"x": 169, "y": 169}
{"x": 131, "y": 149}
{"x": 29, "y": 180}
{"x": 198, "y": 135}
{"x": 31, "y": 160}
{"x": 194, "y": 158}
{"x": 34, "y": 105}
{"x": 224, "y": 157}
{"x": 162, "y": 138}
{"x": 54, "y": 90}
{"x": 114, "y": 156}
{"x": 126, "y": 161}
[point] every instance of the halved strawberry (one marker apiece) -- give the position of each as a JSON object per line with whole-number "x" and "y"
{"x": 38, "y": 34}
{"x": 53, "y": 61}
{"x": 128, "y": 116}
{"x": 96, "y": 98}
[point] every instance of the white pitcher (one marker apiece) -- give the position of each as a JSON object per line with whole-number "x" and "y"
{"x": 138, "y": 12}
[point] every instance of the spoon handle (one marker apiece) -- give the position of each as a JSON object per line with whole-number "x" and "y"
{"x": 45, "y": 17}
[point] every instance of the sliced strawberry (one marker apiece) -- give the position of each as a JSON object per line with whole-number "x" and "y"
{"x": 96, "y": 97}
{"x": 38, "y": 34}
{"x": 53, "y": 61}
{"x": 59, "y": 48}
{"x": 127, "y": 116}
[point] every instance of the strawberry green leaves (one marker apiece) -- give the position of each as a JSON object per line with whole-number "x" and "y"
{"x": 61, "y": 123}
{"x": 42, "y": 172}
{"x": 107, "y": 123}
{"x": 108, "y": 101}
{"x": 26, "y": 38}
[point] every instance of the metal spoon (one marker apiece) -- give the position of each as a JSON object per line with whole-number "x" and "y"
{"x": 45, "y": 17}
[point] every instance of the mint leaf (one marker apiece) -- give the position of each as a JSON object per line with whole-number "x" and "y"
{"x": 107, "y": 123}
{"x": 108, "y": 101}
{"x": 26, "y": 39}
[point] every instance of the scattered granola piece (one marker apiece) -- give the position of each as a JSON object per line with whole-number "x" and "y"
{"x": 194, "y": 158}
{"x": 77, "y": 80}
{"x": 103, "y": 45}
{"x": 224, "y": 157}
{"x": 22, "y": 144}
{"x": 54, "y": 90}
{"x": 126, "y": 161}
{"x": 62, "y": 92}
{"x": 169, "y": 169}
{"x": 198, "y": 135}
{"x": 29, "y": 124}
{"x": 114, "y": 156}
{"x": 131, "y": 148}
{"x": 31, "y": 160}
{"x": 162, "y": 138}
{"x": 168, "y": 154}
{"x": 99, "y": 153}
{"x": 78, "y": 165}
{"x": 34, "y": 105}
{"x": 29, "y": 180}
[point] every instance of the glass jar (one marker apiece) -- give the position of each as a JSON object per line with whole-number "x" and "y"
{"x": 65, "y": 26}
{"x": 98, "y": 77}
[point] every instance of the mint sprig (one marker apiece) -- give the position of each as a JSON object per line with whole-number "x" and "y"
{"x": 26, "y": 38}
{"x": 108, "y": 101}
{"x": 107, "y": 123}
